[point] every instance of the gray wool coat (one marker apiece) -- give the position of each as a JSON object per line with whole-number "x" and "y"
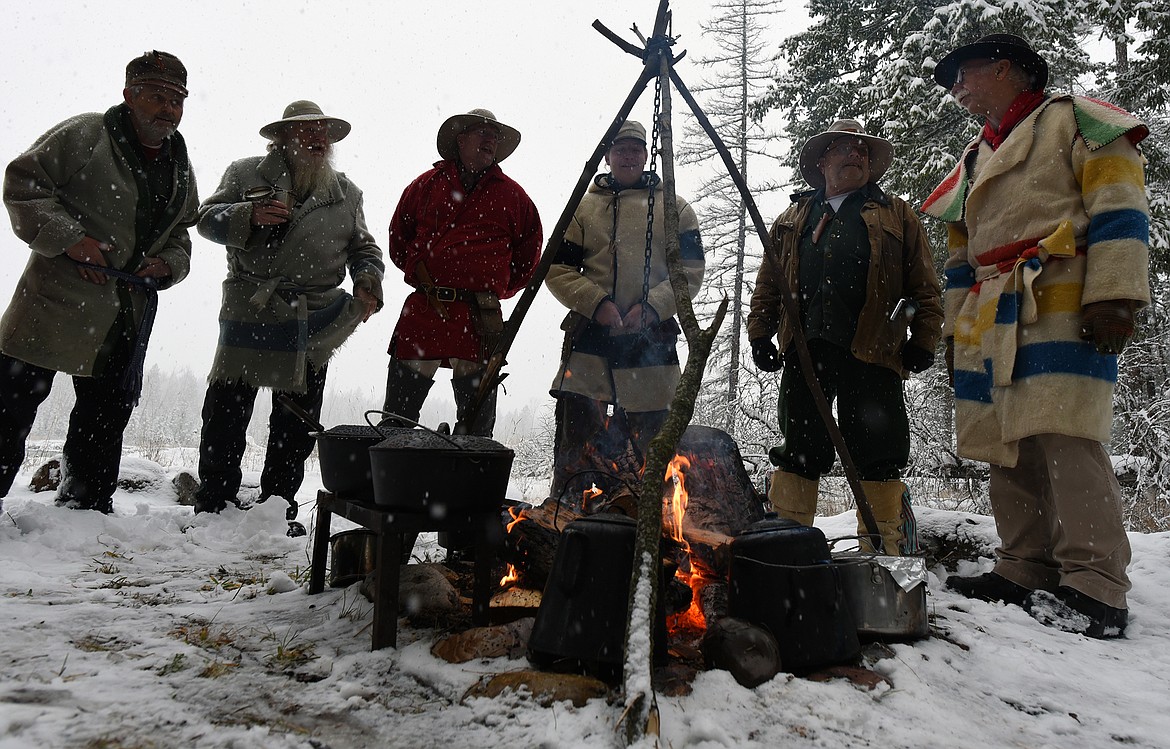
{"x": 80, "y": 179}
{"x": 282, "y": 307}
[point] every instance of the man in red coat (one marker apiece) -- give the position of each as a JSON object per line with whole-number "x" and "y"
{"x": 465, "y": 236}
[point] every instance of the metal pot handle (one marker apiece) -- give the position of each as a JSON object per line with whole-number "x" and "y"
{"x": 833, "y": 542}
{"x": 404, "y": 420}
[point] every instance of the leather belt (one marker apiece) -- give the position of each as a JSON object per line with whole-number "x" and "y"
{"x": 448, "y": 294}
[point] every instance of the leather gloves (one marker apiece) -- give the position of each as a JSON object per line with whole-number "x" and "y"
{"x": 916, "y": 359}
{"x": 765, "y": 355}
{"x": 949, "y": 357}
{"x": 1109, "y": 325}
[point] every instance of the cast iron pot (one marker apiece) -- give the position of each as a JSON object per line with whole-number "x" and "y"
{"x": 352, "y": 555}
{"x": 581, "y": 623}
{"x": 782, "y": 577}
{"x": 344, "y": 454}
{"x": 422, "y": 471}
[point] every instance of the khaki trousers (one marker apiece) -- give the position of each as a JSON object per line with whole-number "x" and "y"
{"x": 1058, "y": 513}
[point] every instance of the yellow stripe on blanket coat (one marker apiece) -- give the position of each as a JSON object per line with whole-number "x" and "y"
{"x": 1058, "y": 298}
{"x": 1111, "y": 171}
{"x": 1061, "y": 298}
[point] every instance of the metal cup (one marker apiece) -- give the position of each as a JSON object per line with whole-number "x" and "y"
{"x": 262, "y": 192}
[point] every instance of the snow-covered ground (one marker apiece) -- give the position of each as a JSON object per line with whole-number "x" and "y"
{"x": 155, "y": 628}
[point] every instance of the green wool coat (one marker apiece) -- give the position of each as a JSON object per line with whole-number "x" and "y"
{"x": 282, "y": 308}
{"x": 83, "y": 178}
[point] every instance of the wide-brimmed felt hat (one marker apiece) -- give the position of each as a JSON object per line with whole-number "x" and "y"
{"x": 157, "y": 68}
{"x": 881, "y": 151}
{"x": 456, "y": 124}
{"x": 995, "y": 47}
{"x": 304, "y": 110}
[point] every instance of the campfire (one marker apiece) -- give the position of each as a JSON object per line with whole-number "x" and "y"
{"x": 707, "y": 499}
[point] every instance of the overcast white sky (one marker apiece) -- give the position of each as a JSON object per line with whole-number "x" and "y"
{"x": 394, "y": 70}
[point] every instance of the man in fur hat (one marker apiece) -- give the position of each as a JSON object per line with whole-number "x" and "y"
{"x": 860, "y": 265}
{"x": 104, "y": 202}
{"x": 1048, "y": 232}
{"x": 465, "y": 236}
{"x": 619, "y": 365}
{"x": 292, "y": 226}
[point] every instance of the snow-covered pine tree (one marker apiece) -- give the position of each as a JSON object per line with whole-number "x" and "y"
{"x": 739, "y": 72}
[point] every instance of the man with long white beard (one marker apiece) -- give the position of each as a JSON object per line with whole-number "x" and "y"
{"x": 292, "y": 226}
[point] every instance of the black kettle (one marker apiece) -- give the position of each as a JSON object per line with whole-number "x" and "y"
{"x": 581, "y": 623}
{"x": 782, "y": 577}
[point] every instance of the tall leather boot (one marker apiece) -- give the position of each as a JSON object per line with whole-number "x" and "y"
{"x": 885, "y": 498}
{"x": 465, "y": 389}
{"x": 406, "y": 391}
{"x": 793, "y": 496}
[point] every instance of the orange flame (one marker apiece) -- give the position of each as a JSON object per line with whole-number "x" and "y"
{"x": 511, "y": 576}
{"x": 677, "y": 508}
{"x": 674, "y": 511}
{"x": 517, "y": 516}
{"x": 591, "y": 493}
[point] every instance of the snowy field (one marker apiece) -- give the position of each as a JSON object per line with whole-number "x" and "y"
{"x": 155, "y": 628}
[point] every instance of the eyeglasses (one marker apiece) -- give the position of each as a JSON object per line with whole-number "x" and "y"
{"x": 487, "y": 133}
{"x": 845, "y": 148}
{"x": 962, "y": 72}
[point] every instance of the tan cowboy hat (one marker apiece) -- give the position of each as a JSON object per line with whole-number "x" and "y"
{"x": 453, "y": 126}
{"x": 306, "y": 111}
{"x": 993, "y": 47}
{"x": 881, "y": 151}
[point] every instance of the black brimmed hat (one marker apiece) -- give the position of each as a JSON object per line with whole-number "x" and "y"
{"x": 994, "y": 47}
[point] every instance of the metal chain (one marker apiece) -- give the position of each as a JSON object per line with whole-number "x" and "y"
{"x": 650, "y": 196}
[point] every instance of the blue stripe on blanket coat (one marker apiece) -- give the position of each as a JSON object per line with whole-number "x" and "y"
{"x": 973, "y": 386}
{"x": 960, "y": 278}
{"x": 1065, "y": 357}
{"x": 690, "y": 245}
{"x": 1055, "y": 357}
{"x": 1007, "y": 310}
{"x": 1122, "y": 224}
{"x": 284, "y": 336}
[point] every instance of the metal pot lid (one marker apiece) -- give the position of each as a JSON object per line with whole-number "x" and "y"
{"x": 772, "y": 523}
{"x": 353, "y": 431}
{"x": 420, "y": 439}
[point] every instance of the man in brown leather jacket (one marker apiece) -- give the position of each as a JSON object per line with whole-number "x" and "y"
{"x": 860, "y": 265}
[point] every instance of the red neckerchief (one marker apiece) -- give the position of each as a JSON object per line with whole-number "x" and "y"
{"x": 1021, "y": 107}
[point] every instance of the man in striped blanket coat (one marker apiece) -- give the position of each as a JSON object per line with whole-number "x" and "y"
{"x": 1048, "y": 232}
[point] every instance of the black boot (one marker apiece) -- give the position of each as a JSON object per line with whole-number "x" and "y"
{"x": 406, "y": 391}
{"x": 465, "y": 389}
{"x": 990, "y": 587}
{"x": 295, "y": 529}
{"x": 1072, "y": 611}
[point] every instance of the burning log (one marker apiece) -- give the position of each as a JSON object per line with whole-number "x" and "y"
{"x": 720, "y": 502}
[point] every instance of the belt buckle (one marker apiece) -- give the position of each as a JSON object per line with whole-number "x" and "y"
{"x": 444, "y": 293}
